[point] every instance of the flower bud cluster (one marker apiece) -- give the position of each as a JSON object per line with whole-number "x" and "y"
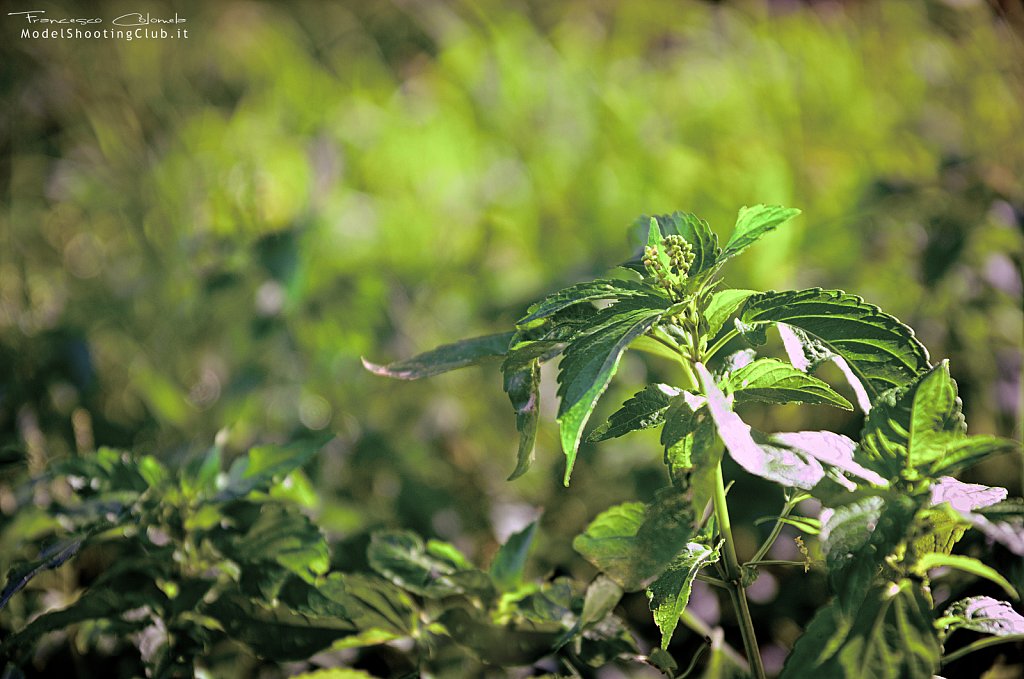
{"x": 680, "y": 253}
{"x": 680, "y": 259}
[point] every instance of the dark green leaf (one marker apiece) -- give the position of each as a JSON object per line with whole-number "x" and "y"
{"x": 644, "y": 410}
{"x": 510, "y": 561}
{"x": 881, "y": 351}
{"x": 669, "y": 594}
{"x": 692, "y": 448}
{"x": 106, "y": 599}
{"x": 52, "y": 557}
{"x": 590, "y": 362}
{"x": 698, "y": 234}
{"x": 910, "y": 429}
{"x": 634, "y": 543}
{"x": 502, "y": 645}
{"x": 889, "y": 637}
{"x": 275, "y": 632}
{"x": 270, "y": 535}
{"x": 966, "y": 452}
{"x": 774, "y": 381}
{"x": 591, "y": 291}
{"x": 722, "y": 306}
{"x": 857, "y": 538}
{"x": 521, "y": 376}
{"x": 753, "y": 223}
{"x": 434, "y": 570}
{"x": 984, "y": 614}
{"x": 444, "y": 358}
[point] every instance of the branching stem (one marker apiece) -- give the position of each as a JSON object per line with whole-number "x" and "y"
{"x": 980, "y": 644}
{"x": 733, "y": 577}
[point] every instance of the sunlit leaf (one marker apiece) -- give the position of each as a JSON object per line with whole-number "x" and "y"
{"x": 984, "y": 614}
{"x": 774, "y": 381}
{"x": 644, "y": 410}
{"x": 723, "y": 305}
{"x": 698, "y": 234}
{"x": 966, "y": 564}
{"x": 781, "y": 465}
{"x": 669, "y": 594}
{"x": 589, "y": 363}
{"x": 881, "y": 351}
{"x": 752, "y": 223}
{"x": 634, "y": 543}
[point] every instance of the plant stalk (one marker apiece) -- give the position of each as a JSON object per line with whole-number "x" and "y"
{"x": 733, "y": 577}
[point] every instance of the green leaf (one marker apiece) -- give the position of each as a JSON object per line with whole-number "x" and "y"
{"x": 984, "y": 614}
{"x": 692, "y": 448}
{"x": 263, "y": 465}
{"x": 258, "y": 537}
{"x": 910, "y": 429}
{"x": 857, "y": 538}
{"x": 634, "y": 543}
{"x": 698, "y": 234}
{"x": 644, "y": 410}
{"x": 669, "y": 594}
{"x": 333, "y": 673}
{"x": 501, "y": 645}
{"x": 654, "y": 238}
{"x": 444, "y": 358}
{"x": 54, "y": 556}
{"x": 723, "y": 305}
{"x": 521, "y": 377}
{"x": 510, "y": 561}
{"x": 889, "y": 637}
{"x": 434, "y": 570}
{"x": 590, "y": 291}
{"x": 589, "y": 363}
{"x": 963, "y": 453}
{"x": 603, "y": 595}
{"x": 121, "y": 590}
{"x": 752, "y": 223}
{"x": 881, "y": 351}
{"x": 966, "y": 564}
{"x": 275, "y": 632}
{"x": 774, "y": 381}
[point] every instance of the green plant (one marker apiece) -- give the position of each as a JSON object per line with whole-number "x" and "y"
{"x": 893, "y": 511}
{"x": 206, "y": 561}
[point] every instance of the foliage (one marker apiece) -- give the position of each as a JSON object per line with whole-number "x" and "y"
{"x": 206, "y": 235}
{"x": 891, "y": 513}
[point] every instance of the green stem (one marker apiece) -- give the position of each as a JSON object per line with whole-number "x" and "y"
{"x": 712, "y": 580}
{"x": 733, "y": 577}
{"x": 777, "y": 529}
{"x": 774, "y": 562}
{"x": 717, "y": 346}
{"x": 980, "y": 644}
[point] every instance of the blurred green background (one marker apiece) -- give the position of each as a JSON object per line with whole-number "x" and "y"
{"x": 206, "y": 234}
